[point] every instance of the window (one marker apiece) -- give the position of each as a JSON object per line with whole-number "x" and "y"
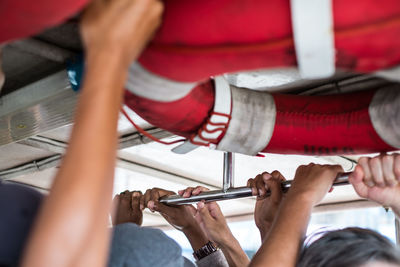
{"x": 246, "y": 232}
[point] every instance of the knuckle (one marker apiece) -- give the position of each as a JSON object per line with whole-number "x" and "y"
{"x": 386, "y": 158}
{"x": 363, "y": 160}
{"x": 374, "y": 161}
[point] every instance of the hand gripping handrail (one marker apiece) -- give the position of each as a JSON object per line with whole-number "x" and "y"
{"x": 230, "y": 192}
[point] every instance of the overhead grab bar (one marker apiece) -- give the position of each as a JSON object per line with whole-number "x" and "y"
{"x": 230, "y": 192}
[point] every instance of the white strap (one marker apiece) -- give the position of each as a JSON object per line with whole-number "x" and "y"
{"x": 384, "y": 111}
{"x": 143, "y": 83}
{"x": 252, "y": 123}
{"x": 313, "y": 32}
{"x": 222, "y": 104}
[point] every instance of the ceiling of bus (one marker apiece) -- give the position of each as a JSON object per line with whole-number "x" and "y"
{"x": 32, "y": 157}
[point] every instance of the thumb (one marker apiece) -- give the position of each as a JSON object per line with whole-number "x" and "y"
{"x": 356, "y": 179}
{"x": 163, "y": 209}
{"x": 204, "y": 213}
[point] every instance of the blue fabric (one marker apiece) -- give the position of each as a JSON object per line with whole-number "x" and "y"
{"x": 144, "y": 247}
{"x": 18, "y": 208}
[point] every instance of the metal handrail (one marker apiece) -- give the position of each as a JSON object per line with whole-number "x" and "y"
{"x": 235, "y": 193}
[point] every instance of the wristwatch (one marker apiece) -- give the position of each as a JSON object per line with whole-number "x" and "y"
{"x": 204, "y": 251}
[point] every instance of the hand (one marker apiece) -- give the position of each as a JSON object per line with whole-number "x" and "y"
{"x": 266, "y": 207}
{"x": 209, "y": 217}
{"x": 313, "y": 181}
{"x": 378, "y": 179}
{"x": 121, "y": 27}
{"x": 180, "y": 217}
{"x": 126, "y": 206}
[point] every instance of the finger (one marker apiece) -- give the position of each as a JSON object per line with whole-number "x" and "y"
{"x": 180, "y": 192}
{"x": 125, "y": 198}
{"x": 214, "y": 210}
{"x": 396, "y": 166}
{"x": 387, "y": 170}
{"x": 276, "y": 174}
{"x": 191, "y": 209}
{"x": 274, "y": 185}
{"x": 367, "y": 179}
{"x": 147, "y": 197}
{"x": 376, "y": 171}
{"x": 251, "y": 184}
{"x": 356, "y": 178}
{"x": 261, "y": 185}
{"x": 188, "y": 192}
{"x": 204, "y": 213}
{"x": 136, "y": 196}
{"x": 141, "y": 203}
{"x": 199, "y": 189}
{"x": 256, "y": 184}
{"x": 114, "y": 205}
{"x": 154, "y": 197}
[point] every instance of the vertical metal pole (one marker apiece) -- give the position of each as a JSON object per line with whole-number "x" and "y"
{"x": 397, "y": 226}
{"x": 229, "y": 167}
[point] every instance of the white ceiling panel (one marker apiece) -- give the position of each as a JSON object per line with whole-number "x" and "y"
{"x": 14, "y": 154}
{"x": 124, "y": 127}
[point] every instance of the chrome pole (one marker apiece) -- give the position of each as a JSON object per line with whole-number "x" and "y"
{"x": 229, "y": 167}
{"x": 234, "y": 193}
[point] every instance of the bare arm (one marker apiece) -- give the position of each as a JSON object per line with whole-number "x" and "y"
{"x": 71, "y": 229}
{"x": 282, "y": 245}
{"x": 213, "y": 222}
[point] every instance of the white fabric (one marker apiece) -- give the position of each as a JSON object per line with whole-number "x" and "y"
{"x": 222, "y": 104}
{"x": 312, "y": 23}
{"x": 252, "y": 122}
{"x": 384, "y": 112}
{"x": 149, "y": 85}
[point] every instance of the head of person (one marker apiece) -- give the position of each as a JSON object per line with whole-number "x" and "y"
{"x": 350, "y": 247}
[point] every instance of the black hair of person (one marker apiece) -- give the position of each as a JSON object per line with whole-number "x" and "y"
{"x": 349, "y": 247}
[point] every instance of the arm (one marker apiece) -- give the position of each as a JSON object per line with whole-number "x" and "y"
{"x": 74, "y": 217}
{"x": 211, "y": 219}
{"x": 281, "y": 246}
{"x": 266, "y": 207}
{"x": 378, "y": 179}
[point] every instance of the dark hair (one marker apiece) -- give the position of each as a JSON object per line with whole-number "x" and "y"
{"x": 349, "y": 247}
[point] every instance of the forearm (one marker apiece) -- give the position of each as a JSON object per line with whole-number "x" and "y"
{"x": 233, "y": 252}
{"x": 197, "y": 238}
{"x": 282, "y": 245}
{"x": 76, "y": 209}
{"x": 264, "y": 230}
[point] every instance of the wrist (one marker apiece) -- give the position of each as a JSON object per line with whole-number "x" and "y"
{"x": 225, "y": 240}
{"x": 107, "y": 55}
{"x": 301, "y": 198}
{"x": 264, "y": 228}
{"x": 197, "y": 238}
